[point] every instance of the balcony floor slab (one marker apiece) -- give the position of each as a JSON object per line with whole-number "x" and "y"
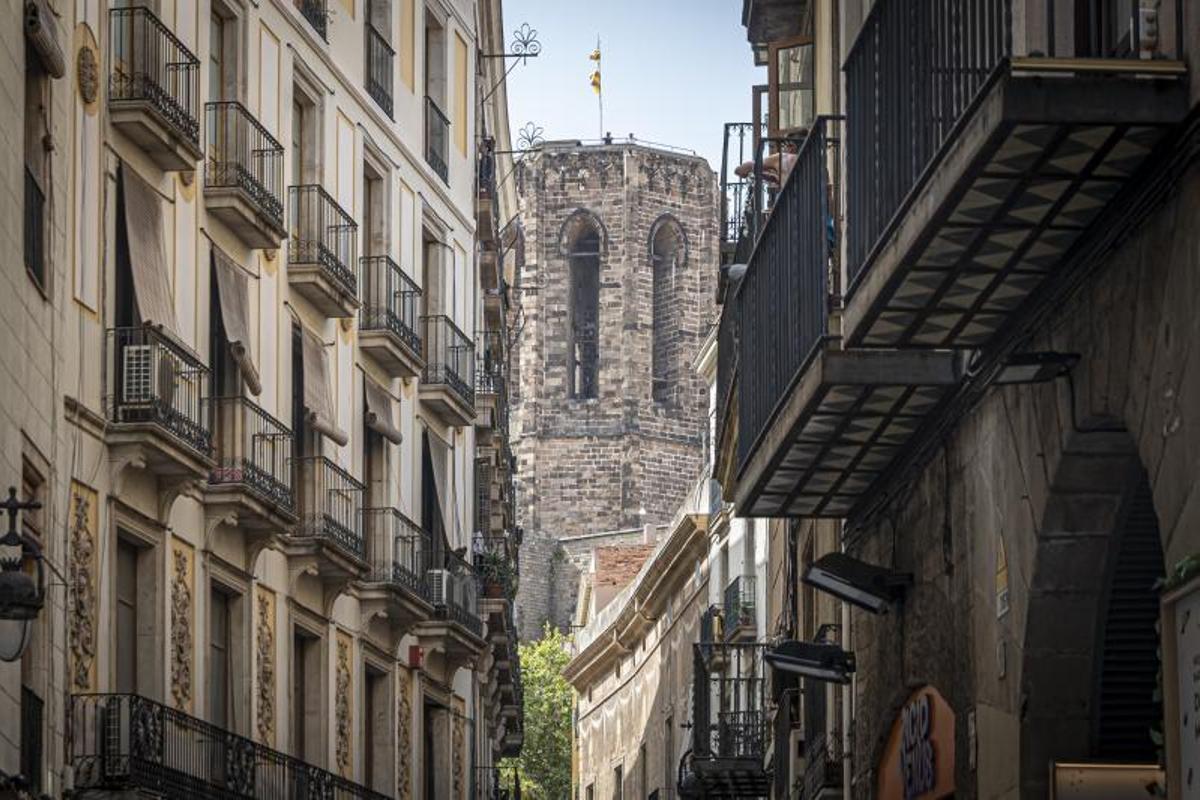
{"x": 1035, "y": 165}
{"x": 844, "y": 422}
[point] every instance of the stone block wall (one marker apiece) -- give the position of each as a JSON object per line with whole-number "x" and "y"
{"x": 628, "y": 456}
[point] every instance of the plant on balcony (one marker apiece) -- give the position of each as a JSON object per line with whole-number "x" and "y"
{"x": 498, "y": 574}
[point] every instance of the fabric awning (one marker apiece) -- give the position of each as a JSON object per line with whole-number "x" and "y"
{"x": 234, "y": 295}
{"x": 379, "y": 411}
{"x": 147, "y": 259}
{"x": 439, "y": 453}
{"x": 318, "y": 407}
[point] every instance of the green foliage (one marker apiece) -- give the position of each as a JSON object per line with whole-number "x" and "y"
{"x": 545, "y": 761}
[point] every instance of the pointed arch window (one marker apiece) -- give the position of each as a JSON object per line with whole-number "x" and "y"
{"x": 668, "y": 254}
{"x": 583, "y": 312}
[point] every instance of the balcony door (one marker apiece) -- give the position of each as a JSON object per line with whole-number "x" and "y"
{"x": 125, "y": 627}
{"x": 790, "y": 75}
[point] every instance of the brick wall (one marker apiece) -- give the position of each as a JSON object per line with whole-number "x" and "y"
{"x": 628, "y": 456}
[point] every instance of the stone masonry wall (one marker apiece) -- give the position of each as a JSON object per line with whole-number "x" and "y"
{"x": 622, "y": 459}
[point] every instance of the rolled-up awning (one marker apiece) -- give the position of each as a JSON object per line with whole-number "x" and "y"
{"x": 234, "y": 295}
{"x": 379, "y": 411}
{"x": 318, "y": 407}
{"x": 442, "y": 457}
{"x": 147, "y": 258}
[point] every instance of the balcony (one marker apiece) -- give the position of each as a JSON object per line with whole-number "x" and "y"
{"x": 437, "y": 139}
{"x": 491, "y": 387}
{"x": 328, "y": 541}
{"x": 398, "y": 585}
{"x": 243, "y": 175}
{"x": 157, "y": 408}
{"x": 448, "y": 380}
{"x": 995, "y": 161}
{"x": 486, "y": 222}
{"x": 740, "y": 617}
{"x": 813, "y": 425}
{"x": 322, "y": 252}
{"x": 738, "y": 194}
{"x": 154, "y": 88}
{"x": 388, "y": 326}
{"x": 455, "y": 631}
{"x": 317, "y": 14}
{"x": 380, "y": 68}
{"x": 252, "y": 478}
{"x": 729, "y": 725}
{"x": 822, "y": 774}
{"x": 125, "y": 745}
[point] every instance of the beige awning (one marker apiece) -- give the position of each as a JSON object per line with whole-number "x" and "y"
{"x": 318, "y": 407}
{"x": 234, "y": 295}
{"x": 379, "y": 411}
{"x": 441, "y": 454}
{"x": 147, "y": 258}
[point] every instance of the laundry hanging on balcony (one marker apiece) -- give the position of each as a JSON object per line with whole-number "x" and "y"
{"x": 379, "y": 411}
{"x": 318, "y": 405}
{"x": 144, "y": 238}
{"x": 234, "y": 296}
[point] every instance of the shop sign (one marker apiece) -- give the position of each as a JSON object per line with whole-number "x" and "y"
{"x": 918, "y": 762}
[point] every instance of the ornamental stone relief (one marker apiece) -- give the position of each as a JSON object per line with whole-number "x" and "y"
{"x": 82, "y": 616}
{"x": 403, "y": 734}
{"x": 342, "y": 706}
{"x": 265, "y": 653}
{"x": 181, "y": 627}
{"x": 458, "y": 741}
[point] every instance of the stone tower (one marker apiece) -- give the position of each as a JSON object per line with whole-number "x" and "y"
{"x": 619, "y": 254}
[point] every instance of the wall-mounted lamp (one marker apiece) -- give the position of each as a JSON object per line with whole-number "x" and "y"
{"x": 817, "y": 660}
{"x": 22, "y": 581}
{"x": 1035, "y": 368}
{"x": 864, "y": 585}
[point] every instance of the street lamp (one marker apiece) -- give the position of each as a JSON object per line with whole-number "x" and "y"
{"x": 864, "y": 585}
{"x": 22, "y": 581}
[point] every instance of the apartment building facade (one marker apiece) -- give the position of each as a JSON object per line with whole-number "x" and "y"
{"x": 261, "y": 363}
{"x": 954, "y": 358}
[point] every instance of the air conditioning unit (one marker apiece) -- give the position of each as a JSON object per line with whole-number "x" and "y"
{"x": 139, "y": 380}
{"x": 439, "y": 586}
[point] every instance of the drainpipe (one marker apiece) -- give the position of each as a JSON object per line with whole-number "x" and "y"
{"x": 847, "y": 708}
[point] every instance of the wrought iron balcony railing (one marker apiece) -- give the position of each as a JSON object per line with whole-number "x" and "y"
{"x": 124, "y": 742}
{"x": 822, "y": 747}
{"x": 740, "y": 606}
{"x": 317, "y": 14}
{"x": 454, "y": 587}
{"x": 449, "y": 357}
{"x": 35, "y": 228}
{"x": 728, "y": 702}
{"x": 254, "y": 450}
{"x": 398, "y": 550}
{"x": 243, "y": 155}
{"x": 391, "y": 301}
{"x": 739, "y": 195}
{"x": 437, "y": 139}
{"x": 381, "y": 59}
{"x": 788, "y": 284}
{"x": 330, "y": 499}
{"x": 157, "y": 381}
{"x": 324, "y": 234}
{"x": 150, "y": 65}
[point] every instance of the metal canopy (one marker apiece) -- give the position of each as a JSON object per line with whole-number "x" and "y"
{"x": 848, "y": 418}
{"x": 1037, "y": 163}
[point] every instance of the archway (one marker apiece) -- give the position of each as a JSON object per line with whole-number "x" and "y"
{"x": 1089, "y": 665}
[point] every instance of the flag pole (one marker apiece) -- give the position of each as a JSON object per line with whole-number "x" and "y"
{"x": 600, "y": 89}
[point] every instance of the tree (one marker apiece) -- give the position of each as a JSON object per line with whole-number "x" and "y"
{"x": 545, "y": 761}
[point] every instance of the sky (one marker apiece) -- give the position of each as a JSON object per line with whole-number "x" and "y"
{"x": 674, "y": 71}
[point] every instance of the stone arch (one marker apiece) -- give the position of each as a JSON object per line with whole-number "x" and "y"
{"x": 582, "y": 241}
{"x": 1098, "y": 532}
{"x": 667, "y": 254}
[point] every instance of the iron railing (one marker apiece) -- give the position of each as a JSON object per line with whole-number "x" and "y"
{"x": 243, "y": 155}
{"x": 125, "y": 741}
{"x": 727, "y": 702}
{"x": 728, "y": 334}
{"x": 737, "y": 193}
{"x": 740, "y": 605}
{"x": 391, "y": 301}
{"x": 32, "y": 720}
{"x": 454, "y": 587}
{"x": 323, "y": 233}
{"x": 317, "y": 14}
{"x": 789, "y": 284}
{"x": 150, "y": 65}
{"x": 487, "y": 168}
{"x": 379, "y": 68}
{"x": 822, "y": 749}
{"x": 437, "y": 139}
{"x": 35, "y": 228}
{"x": 912, "y": 74}
{"x": 398, "y": 549}
{"x": 253, "y": 449}
{"x": 449, "y": 357}
{"x": 154, "y": 380}
{"x": 330, "y": 499}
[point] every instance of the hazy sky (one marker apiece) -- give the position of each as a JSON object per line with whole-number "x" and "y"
{"x": 674, "y": 71}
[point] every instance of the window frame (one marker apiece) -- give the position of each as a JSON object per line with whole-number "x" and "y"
{"x": 774, "y": 89}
